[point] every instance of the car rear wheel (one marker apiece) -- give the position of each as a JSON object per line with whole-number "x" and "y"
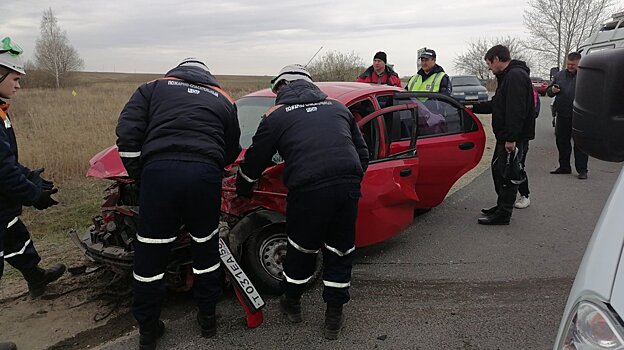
{"x": 263, "y": 258}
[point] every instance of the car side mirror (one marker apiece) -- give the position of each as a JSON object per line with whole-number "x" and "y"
{"x": 598, "y": 110}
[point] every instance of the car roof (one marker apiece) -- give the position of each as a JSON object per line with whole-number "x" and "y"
{"x": 342, "y": 91}
{"x": 463, "y": 76}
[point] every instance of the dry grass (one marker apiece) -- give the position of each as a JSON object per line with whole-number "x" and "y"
{"x": 61, "y": 132}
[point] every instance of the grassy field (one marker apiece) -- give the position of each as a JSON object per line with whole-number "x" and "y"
{"x": 61, "y": 132}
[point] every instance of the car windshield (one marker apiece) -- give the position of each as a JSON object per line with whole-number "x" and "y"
{"x": 250, "y": 112}
{"x": 465, "y": 81}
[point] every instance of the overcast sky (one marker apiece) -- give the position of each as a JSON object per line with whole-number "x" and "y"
{"x": 259, "y": 37}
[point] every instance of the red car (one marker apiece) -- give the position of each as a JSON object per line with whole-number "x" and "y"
{"x": 419, "y": 144}
{"x": 540, "y": 85}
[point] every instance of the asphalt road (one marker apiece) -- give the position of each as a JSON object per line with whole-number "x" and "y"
{"x": 444, "y": 283}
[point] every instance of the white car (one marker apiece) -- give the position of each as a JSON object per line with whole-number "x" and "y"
{"x": 593, "y": 314}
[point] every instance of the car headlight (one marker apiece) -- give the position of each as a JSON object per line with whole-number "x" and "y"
{"x": 483, "y": 93}
{"x": 593, "y": 326}
{"x": 458, "y": 93}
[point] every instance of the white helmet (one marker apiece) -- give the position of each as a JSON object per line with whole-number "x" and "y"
{"x": 11, "y": 56}
{"x": 194, "y": 62}
{"x": 289, "y": 73}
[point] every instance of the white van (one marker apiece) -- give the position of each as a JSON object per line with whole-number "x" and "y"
{"x": 609, "y": 36}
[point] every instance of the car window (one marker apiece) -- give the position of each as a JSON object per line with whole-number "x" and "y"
{"x": 435, "y": 117}
{"x": 250, "y": 112}
{"x": 371, "y": 135}
{"x": 465, "y": 81}
{"x": 384, "y": 101}
{"x": 361, "y": 109}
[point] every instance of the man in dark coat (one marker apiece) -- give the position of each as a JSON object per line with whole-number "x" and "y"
{"x": 563, "y": 87}
{"x": 513, "y": 121}
{"x": 175, "y": 135}
{"x": 323, "y": 176}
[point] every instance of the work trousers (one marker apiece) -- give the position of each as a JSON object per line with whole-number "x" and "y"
{"x": 563, "y": 136}
{"x": 321, "y": 219}
{"x": 505, "y": 189}
{"x": 173, "y": 193}
{"x": 16, "y": 246}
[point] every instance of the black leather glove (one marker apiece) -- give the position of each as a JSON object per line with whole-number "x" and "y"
{"x": 45, "y": 200}
{"x": 35, "y": 177}
{"x": 244, "y": 188}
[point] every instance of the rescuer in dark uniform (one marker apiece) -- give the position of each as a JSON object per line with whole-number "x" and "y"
{"x": 325, "y": 158}
{"x": 175, "y": 135}
{"x": 19, "y": 186}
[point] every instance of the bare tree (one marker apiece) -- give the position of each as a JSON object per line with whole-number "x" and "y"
{"x": 558, "y": 27}
{"x": 53, "y": 52}
{"x": 472, "y": 62}
{"x": 337, "y": 66}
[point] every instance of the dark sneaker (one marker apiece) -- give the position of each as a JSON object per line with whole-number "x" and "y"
{"x": 561, "y": 171}
{"x": 582, "y": 175}
{"x": 498, "y": 218}
{"x": 291, "y": 308}
{"x": 149, "y": 336}
{"x": 208, "y": 324}
{"x": 489, "y": 211}
{"x": 334, "y": 320}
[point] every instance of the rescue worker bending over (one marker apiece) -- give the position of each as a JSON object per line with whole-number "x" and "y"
{"x": 175, "y": 135}
{"x": 323, "y": 176}
{"x": 19, "y": 186}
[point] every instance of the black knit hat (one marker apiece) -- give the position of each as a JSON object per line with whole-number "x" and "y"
{"x": 382, "y": 56}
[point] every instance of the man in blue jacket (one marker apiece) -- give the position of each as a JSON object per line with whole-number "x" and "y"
{"x": 563, "y": 87}
{"x": 19, "y": 186}
{"x": 323, "y": 176}
{"x": 175, "y": 135}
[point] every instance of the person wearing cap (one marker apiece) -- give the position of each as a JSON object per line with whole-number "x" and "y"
{"x": 430, "y": 77}
{"x": 175, "y": 135}
{"x": 380, "y": 72}
{"x": 323, "y": 176}
{"x": 19, "y": 186}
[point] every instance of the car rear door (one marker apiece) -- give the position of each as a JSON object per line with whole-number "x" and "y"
{"x": 388, "y": 188}
{"x": 450, "y": 142}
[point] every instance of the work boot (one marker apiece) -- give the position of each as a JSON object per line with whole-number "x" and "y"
{"x": 291, "y": 308}
{"x": 7, "y": 345}
{"x": 334, "y": 320}
{"x": 208, "y": 324}
{"x": 148, "y": 336}
{"x": 39, "y": 278}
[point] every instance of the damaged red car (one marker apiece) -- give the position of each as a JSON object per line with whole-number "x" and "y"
{"x": 420, "y": 144}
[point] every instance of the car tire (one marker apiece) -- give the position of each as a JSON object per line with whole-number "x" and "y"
{"x": 263, "y": 256}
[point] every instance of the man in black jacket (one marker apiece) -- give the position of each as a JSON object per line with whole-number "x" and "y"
{"x": 19, "y": 186}
{"x": 323, "y": 176}
{"x": 563, "y": 87}
{"x": 175, "y": 135}
{"x": 513, "y": 121}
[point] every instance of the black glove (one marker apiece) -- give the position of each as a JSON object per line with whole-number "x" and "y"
{"x": 244, "y": 188}
{"x": 45, "y": 199}
{"x": 35, "y": 177}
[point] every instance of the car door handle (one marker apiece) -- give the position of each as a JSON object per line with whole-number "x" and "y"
{"x": 466, "y": 146}
{"x": 405, "y": 172}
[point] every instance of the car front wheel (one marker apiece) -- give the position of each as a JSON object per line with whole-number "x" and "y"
{"x": 264, "y": 256}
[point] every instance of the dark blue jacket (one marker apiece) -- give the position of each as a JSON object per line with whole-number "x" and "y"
{"x": 15, "y": 189}
{"x": 185, "y": 116}
{"x": 318, "y": 139}
{"x": 565, "y": 97}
